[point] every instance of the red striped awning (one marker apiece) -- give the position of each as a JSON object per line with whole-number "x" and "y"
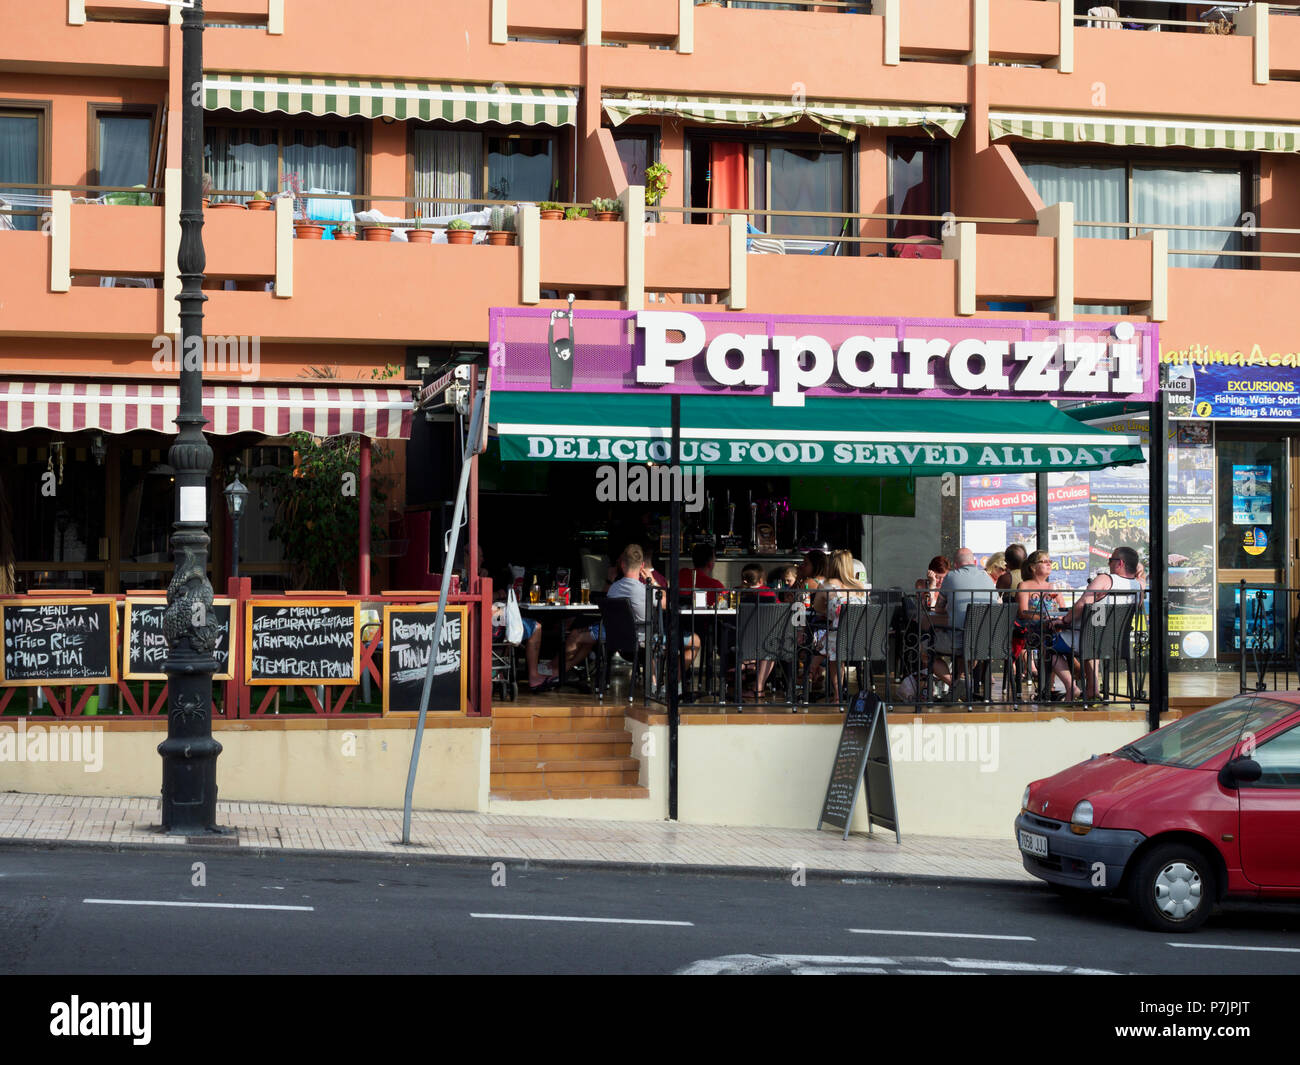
{"x": 65, "y": 406}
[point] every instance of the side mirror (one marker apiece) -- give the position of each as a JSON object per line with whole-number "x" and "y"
{"x": 1240, "y": 771}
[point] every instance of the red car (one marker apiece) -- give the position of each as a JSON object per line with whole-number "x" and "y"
{"x": 1205, "y": 808}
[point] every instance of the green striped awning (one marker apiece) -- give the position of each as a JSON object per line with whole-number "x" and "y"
{"x": 1144, "y": 131}
{"x": 842, "y": 119}
{"x": 524, "y": 104}
{"x": 846, "y": 437}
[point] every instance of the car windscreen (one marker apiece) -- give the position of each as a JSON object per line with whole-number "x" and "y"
{"x": 1198, "y": 738}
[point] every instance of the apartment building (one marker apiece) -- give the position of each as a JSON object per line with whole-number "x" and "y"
{"x": 919, "y": 160}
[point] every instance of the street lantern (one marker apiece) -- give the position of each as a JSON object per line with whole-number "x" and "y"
{"x": 189, "y": 753}
{"x": 236, "y": 499}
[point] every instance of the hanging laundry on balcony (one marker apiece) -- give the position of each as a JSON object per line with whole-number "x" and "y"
{"x": 528, "y": 105}
{"x": 843, "y": 119}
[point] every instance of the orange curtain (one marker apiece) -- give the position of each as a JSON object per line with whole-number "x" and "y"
{"x": 728, "y": 186}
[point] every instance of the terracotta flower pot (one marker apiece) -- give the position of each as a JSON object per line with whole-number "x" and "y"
{"x": 228, "y": 205}
{"x": 382, "y": 234}
{"x": 260, "y": 205}
{"x": 552, "y": 216}
{"x": 344, "y": 236}
{"x": 608, "y": 216}
{"x": 309, "y": 231}
{"x": 499, "y": 237}
{"x": 207, "y": 202}
{"x": 460, "y": 236}
{"x": 419, "y": 236}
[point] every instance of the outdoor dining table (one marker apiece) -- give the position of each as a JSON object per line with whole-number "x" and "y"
{"x": 560, "y": 610}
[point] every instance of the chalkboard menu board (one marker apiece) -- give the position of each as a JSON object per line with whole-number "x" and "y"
{"x": 59, "y": 641}
{"x": 863, "y": 749}
{"x": 146, "y": 646}
{"x": 309, "y": 641}
{"x": 408, "y": 635}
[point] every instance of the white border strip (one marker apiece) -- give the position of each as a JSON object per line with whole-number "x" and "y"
{"x": 579, "y": 920}
{"x": 552, "y": 98}
{"x": 1133, "y": 120}
{"x": 196, "y": 905}
{"x": 757, "y": 107}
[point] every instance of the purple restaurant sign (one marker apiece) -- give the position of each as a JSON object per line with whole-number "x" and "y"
{"x": 788, "y": 357}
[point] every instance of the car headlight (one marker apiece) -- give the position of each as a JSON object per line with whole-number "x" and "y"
{"x": 1024, "y": 799}
{"x": 1081, "y": 819}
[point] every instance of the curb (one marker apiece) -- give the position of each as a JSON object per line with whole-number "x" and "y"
{"x": 524, "y": 864}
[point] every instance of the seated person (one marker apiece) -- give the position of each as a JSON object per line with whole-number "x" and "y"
{"x": 752, "y": 587}
{"x": 961, "y": 586}
{"x": 783, "y": 577}
{"x": 701, "y": 576}
{"x": 541, "y": 675}
{"x": 1121, "y": 581}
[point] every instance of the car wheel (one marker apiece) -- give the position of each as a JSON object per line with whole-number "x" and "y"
{"x": 1173, "y": 888}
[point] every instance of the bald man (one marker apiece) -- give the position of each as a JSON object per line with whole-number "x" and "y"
{"x": 965, "y": 583}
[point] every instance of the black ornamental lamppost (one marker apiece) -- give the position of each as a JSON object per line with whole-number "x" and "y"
{"x": 189, "y": 754}
{"x": 236, "y": 498}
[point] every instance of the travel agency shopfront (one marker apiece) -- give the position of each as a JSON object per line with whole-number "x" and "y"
{"x": 799, "y": 396}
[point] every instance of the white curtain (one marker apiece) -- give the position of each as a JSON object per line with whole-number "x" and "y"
{"x": 1099, "y": 192}
{"x": 807, "y": 180}
{"x": 244, "y": 159}
{"x": 324, "y": 159}
{"x": 448, "y": 165}
{"x": 124, "y": 149}
{"x": 1191, "y": 196}
{"x": 19, "y": 140}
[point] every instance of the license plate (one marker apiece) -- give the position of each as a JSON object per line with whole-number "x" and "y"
{"x": 1033, "y": 843}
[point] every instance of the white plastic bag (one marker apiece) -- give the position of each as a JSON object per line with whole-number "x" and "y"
{"x": 514, "y": 622}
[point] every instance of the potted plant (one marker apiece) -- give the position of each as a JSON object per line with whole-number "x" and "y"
{"x": 459, "y": 232}
{"x": 419, "y": 235}
{"x": 228, "y": 205}
{"x": 346, "y": 231}
{"x": 607, "y": 210}
{"x": 551, "y": 211}
{"x": 259, "y": 202}
{"x": 657, "y": 179}
{"x": 377, "y": 231}
{"x": 501, "y": 225}
{"x": 307, "y": 230}
{"x": 575, "y": 214}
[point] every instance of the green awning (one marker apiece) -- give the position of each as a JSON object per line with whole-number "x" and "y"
{"x": 1147, "y": 131}
{"x": 842, "y": 119}
{"x": 526, "y": 105}
{"x": 847, "y": 437}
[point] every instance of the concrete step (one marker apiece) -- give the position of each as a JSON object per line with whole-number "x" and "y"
{"x": 612, "y": 791}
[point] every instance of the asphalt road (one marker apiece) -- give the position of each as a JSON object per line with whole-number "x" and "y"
{"x": 81, "y": 911}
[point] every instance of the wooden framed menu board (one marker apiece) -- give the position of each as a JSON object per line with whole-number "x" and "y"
{"x": 144, "y": 648}
{"x": 408, "y": 634}
{"x": 58, "y": 641}
{"x": 303, "y": 641}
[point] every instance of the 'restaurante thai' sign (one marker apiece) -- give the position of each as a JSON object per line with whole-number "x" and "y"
{"x": 786, "y": 358}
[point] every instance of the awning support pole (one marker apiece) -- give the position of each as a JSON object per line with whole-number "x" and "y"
{"x": 476, "y": 440}
{"x": 1158, "y": 577}
{"x": 674, "y": 617}
{"x": 363, "y": 520}
{"x": 1041, "y": 518}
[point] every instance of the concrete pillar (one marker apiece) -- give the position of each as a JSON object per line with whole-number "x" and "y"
{"x": 891, "y": 12}
{"x": 591, "y": 35}
{"x": 1058, "y": 221}
{"x": 275, "y": 17}
{"x": 738, "y": 258}
{"x": 499, "y": 22}
{"x": 960, "y": 246}
{"x": 60, "y": 241}
{"x": 284, "y": 247}
{"x": 685, "y": 26}
{"x": 979, "y": 27}
{"x": 633, "y": 199}
{"x": 1064, "y": 61}
{"x": 1253, "y": 22}
{"x": 76, "y": 12}
{"x": 1158, "y": 311}
{"x": 529, "y": 227}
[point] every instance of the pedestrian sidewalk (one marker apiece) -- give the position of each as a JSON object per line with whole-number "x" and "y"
{"x": 130, "y": 823}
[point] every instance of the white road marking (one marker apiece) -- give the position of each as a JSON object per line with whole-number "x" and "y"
{"x": 828, "y": 964}
{"x": 935, "y": 935}
{"x": 1221, "y": 946}
{"x": 197, "y": 905}
{"x": 587, "y": 920}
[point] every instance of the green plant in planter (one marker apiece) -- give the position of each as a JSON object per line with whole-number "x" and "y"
{"x": 259, "y": 195}
{"x": 656, "y": 182}
{"x": 459, "y": 223}
{"x": 511, "y": 219}
{"x": 497, "y": 219}
{"x": 601, "y": 205}
{"x": 549, "y": 205}
{"x": 575, "y": 213}
{"x": 347, "y": 227}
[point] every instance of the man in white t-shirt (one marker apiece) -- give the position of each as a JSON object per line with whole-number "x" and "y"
{"x": 1121, "y": 583}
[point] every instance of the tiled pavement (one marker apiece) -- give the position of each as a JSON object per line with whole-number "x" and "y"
{"x": 267, "y": 827}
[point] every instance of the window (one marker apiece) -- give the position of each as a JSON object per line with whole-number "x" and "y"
{"x": 22, "y": 159}
{"x": 251, "y": 159}
{"x": 636, "y": 151}
{"x": 123, "y": 147}
{"x": 1279, "y": 758}
{"x": 464, "y": 166}
{"x": 918, "y": 184}
{"x": 1149, "y": 191}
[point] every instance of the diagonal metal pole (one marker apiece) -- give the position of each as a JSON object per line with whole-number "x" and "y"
{"x": 476, "y": 434}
